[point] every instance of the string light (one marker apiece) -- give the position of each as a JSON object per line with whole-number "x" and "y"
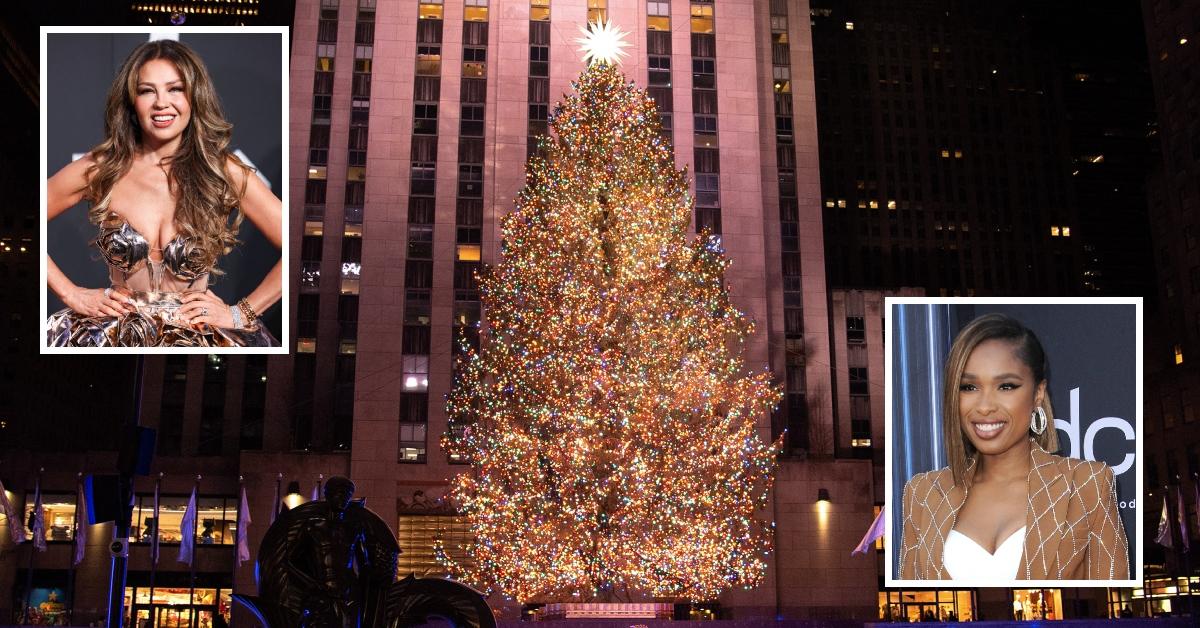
{"x": 608, "y": 417}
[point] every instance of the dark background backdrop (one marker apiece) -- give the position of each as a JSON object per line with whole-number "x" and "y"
{"x": 246, "y": 71}
{"x": 1092, "y": 347}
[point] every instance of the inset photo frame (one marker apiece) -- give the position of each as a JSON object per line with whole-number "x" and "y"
{"x": 164, "y": 189}
{"x": 1013, "y": 433}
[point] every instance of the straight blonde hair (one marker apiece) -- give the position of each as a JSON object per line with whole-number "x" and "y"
{"x": 959, "y": 451}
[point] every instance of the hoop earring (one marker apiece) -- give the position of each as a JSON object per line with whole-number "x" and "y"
{"x": 1038, "y": 421}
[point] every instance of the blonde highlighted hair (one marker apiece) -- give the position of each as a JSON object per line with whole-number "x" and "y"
{"x": 199, "y": 171}
{"x": 960, "y": 453}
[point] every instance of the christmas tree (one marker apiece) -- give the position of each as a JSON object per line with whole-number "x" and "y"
{"x": 608, "y": 417}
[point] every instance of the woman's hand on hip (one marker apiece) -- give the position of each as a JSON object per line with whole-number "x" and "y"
{"x": 206, "y": 307}
{"x": 99, "y": 301}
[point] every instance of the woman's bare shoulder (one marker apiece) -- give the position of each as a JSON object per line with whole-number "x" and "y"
{"x": 80, "y": 168}
{"x": 237, "y": 170}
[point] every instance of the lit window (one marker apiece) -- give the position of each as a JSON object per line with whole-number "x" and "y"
{"x": 945, "y": 153}
{"x": 958, "y": 154}
{"x": 874, "y": 204}
{"x": 1054, "y": 231}
{"x": 702, "y": 18}
{"x": 348, "y": 346}
{"x": 1179, "y": 354}
{"x": 316, "y": 172}
{"x": 313, "y": 227}
{"x": 412, "y": 442}
{"x": 356, "y": 173}
{"x": 349, "y": 284}
{"x": 841, "y": 203}
{"x": 862, "y": 204}
{"x": 476, "y": 11}
{"x": 474, "y": 69}
{"x": 597, "y": 10}
{"x": 325, "y": 54}
{"x": 829, "y": 202}
{"x": 658, "y": 16}
{"x": 353, "y": 230}
{"x": 468, "y": 252}
{"x": 430, "y": 10}
{"x": 1066, "y": 231}
{"x": 1082, "y": 76}
{"x": 539, "y": 10}
{"x": 416, "y": 372}
{"x": 1183, "y": 41}
{"x": 860, "y": 442}
{"x": 891, "y": 205}
{"x": 306, "y": 345}
{"x": 429, "y": 60}
{"x": 849, "y": 26}
{"x": 58, "y": 512}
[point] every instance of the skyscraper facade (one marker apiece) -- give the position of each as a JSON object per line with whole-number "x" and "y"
{"x": 944, "y": 153}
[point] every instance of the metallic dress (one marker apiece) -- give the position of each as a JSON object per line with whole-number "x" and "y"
{"x": 156, "y": 289}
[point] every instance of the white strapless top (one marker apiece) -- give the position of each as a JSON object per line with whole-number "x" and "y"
{"x": 964, "y": 559}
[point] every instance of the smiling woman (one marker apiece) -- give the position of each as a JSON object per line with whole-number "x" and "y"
{"x": 1005, "y": 508}
{"x": 168, "y": 196}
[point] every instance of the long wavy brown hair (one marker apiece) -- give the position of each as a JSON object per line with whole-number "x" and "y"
{"x": 205, "y": 194}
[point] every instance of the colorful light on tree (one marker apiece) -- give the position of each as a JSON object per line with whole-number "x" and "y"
{"x": 608, "y": 418}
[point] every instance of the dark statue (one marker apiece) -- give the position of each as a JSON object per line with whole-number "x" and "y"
{"x": 332, "y": 564}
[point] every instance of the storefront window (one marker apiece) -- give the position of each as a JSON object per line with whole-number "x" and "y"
{"x": 1163, "y": 596}
{"x": 47, "y": 607}
{"x": 1120, "y": 603}
{"x": 1037, "y": 604}
{"x": 175, "y": 607}
{"x": 928, "y": 605}
{"x": 59, "y": 512}
{"x": 216, "y": 519}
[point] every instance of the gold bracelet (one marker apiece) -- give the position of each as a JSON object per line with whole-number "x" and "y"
{"x": 247, "y": 311}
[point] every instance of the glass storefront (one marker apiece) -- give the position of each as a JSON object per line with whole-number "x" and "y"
{"x": 927, "y": 605}
{"x": 58, "y": 510}
{"x": 1037, "y": 604}
{"x": 1162, "y": 596}
{"x": 175, "y": 607}
{"x": 216, "y": 519}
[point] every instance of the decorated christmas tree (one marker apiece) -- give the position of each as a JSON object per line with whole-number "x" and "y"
{"x": 608, "y": 417}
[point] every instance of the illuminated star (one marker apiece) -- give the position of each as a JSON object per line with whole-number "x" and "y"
{"x": 602, "y": 43}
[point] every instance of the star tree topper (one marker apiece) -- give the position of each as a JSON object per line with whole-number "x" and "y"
{"x": 602, "y": 43}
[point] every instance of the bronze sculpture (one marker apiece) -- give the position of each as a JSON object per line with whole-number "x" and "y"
{"x": 332, "y": 563}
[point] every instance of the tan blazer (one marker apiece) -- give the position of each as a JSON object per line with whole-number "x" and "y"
{"x": 1072, "y": 528}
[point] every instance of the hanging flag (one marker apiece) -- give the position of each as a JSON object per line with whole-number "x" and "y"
{"x": 80, "y": 524}
{"x": 1196, "y": 484}
{"x": 873, "y": 533}
{"x": 316, "y": 492}
{"x": 1181, "y": 515}
{"x": 243, "y": 540}
{"x": 15, "y": 529}
{"x": 153, "y": 528}
{"x": 1164, "y": 524}
{"x": 38, "y": 525}
{"x": 187, "y": 531}
{"x": 275, "y": 506}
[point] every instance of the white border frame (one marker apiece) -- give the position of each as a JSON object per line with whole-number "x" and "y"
{"x": 1135, "y": 537}
{"x": 283, "y": 188}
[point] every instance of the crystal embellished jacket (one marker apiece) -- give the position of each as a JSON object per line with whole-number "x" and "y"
{"x": 1072, "y": 528}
